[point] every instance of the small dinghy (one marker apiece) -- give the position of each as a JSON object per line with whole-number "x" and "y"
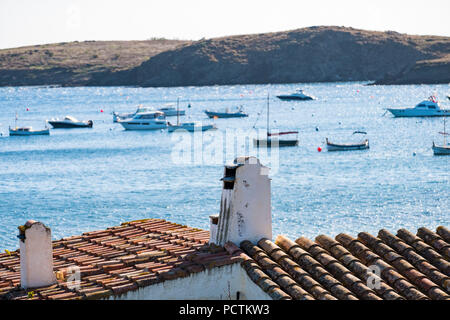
{"x": 347, "y": 147}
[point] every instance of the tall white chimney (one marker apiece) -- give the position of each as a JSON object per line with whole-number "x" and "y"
{"x": 36, "y": 255}
{"x": 245, "y": 208}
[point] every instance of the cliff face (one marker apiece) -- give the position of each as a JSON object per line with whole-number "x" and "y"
{"x": 316, "y": 54}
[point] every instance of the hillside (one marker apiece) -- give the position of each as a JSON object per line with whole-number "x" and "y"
{"x": 75, "y": 63}
{"x": 316, "y": 54}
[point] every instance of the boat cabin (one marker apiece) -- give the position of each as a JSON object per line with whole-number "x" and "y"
{"x": 148, "y": 115}
{"x": 24, "y": 129}
{"x": 428, "y": 104}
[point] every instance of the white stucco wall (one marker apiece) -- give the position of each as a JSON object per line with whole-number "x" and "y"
{"x": 220, "y": 283}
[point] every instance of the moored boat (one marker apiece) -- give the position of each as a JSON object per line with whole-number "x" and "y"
{"x": 441, "y": 150}
{"x": 166, "y": 112}
{"x": 70, "y": 122}
{"x": 191, "y": 127}
{"x": 270, "y": 142}
{"x": 145, "y": 121}
{"x": 298, "y": 95}
{"x": 28, "y": 131}
{"x": 172, "y": 112}
{"x": 226, "y": 114}
{"x": 347, "y": 147}
{"x": 444, "y": 149}
{"x": 426, "y": 108}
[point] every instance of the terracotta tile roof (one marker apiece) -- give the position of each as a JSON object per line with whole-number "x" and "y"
{"x": 414, "y": 267}
{"x": 121, "y": 259}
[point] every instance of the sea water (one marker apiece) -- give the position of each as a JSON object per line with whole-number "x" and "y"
{"x": 79, "y": 180}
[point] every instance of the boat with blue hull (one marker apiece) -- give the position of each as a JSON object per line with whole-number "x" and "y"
{"x": 444, "y": 149}
{"x": 28, "y": 131}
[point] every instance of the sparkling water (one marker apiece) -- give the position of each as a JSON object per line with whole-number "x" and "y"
{"x": 79, "y": 180}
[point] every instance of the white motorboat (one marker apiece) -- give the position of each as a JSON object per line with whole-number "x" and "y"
{"x": 28, "y": 131}
{"x": 123, "y": 116}
{"x": 298, "y": 95}
{"x": 145, "y": 121}
{"x": 167, "y": 112}
{"x": 70, "y": 122}
{"x": 444, "y": 149}
{"x": 426, "y": 108}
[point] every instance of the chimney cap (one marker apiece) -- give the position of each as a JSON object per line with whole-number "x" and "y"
{"x": 246, "y": 160}
{"x": 29, "y": 223}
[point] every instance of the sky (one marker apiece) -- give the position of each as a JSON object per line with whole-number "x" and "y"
{"x": 30, "y": 22}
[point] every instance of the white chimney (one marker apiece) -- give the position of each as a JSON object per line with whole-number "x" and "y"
{"x": 245, "y": 208}
{"x": 36, "y": 255}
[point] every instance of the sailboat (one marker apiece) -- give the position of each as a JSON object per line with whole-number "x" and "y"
{"x": 272, "y": 139}
{"x": 189, "y": 126}
{"x": 443, "y": 149}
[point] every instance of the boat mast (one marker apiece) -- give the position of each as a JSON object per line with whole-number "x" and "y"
{"x": 267, "y": 114}
{"x": 178, "y": 111}
{"x": 444, "y": 133}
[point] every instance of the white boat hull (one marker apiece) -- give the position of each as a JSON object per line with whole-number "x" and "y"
{"x": 347, "y": 147}
{"x": 413, "y": 112}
